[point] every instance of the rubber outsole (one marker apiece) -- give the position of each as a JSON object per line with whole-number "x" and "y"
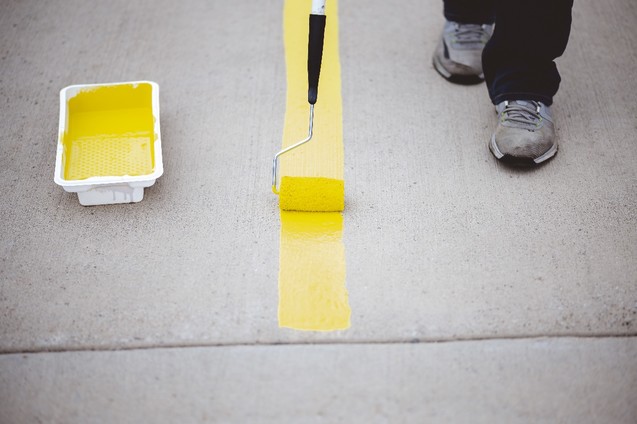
{"x": 518, "y": 161}
{"x": 456, "y": 79}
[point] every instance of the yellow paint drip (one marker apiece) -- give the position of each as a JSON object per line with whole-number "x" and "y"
{"x": 110, "y": 132}
{"x": 312, "y": 293}
{"x": 312, "y": 194}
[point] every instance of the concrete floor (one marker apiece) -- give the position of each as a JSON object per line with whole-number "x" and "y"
{"x": 166, "y": 310}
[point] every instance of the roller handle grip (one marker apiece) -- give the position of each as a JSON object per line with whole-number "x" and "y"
{"x": 314, "y": 55}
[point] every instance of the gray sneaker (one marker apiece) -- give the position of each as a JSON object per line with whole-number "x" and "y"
{"x": 525, "y": 134}
{"x": 458, "y": 57}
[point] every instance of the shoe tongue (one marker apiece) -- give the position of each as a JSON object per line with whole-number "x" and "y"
{"x": 523, "y": 103}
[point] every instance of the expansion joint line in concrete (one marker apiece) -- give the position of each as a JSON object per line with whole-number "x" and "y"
{"x": 323, "y": 343}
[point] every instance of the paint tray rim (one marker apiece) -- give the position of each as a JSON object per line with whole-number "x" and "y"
{"x": 103, "y": 182}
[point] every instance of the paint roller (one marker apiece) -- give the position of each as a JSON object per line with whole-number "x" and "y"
{"x": 311, "y": 194}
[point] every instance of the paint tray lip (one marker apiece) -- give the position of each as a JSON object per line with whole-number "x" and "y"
{"x": 136, "y": 180}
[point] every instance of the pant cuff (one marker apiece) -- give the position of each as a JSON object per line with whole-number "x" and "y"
{"x": 480, "y": 20}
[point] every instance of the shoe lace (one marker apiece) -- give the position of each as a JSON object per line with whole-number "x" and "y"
{"x": 470, "y": 34}
{"x": 520, "y": 113}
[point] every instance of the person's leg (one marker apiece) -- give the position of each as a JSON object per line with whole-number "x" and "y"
{"x": 522, "y": 78}
{"x": 468, "y": 27}
{"x": 470, "y": 11}
{"x": 518, "y": 60}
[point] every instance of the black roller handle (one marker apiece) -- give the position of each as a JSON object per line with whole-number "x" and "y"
{"x": 314, "y": 55}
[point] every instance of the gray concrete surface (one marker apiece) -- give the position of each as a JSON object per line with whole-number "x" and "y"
{"x": 492, "y": 381}
{"x": 442, "y": 242}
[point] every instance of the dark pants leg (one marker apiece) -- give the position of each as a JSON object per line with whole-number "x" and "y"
{"x": 518, "y": 61}
{"x": 470, "y": 11}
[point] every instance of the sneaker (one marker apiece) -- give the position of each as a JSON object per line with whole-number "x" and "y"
{"x": 525, "y": 134}
{"x": 458, "y": 57}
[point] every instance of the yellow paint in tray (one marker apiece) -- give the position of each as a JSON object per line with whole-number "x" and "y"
{"x": 109, "y": 132}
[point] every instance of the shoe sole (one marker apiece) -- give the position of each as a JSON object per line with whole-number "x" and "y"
{"x": 456, "y": 79}
{"x": 521, "y": 161}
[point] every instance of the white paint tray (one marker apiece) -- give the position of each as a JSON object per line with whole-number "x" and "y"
{"x": 109, "y": 143}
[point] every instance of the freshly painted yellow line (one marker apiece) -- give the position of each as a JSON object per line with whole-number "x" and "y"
{"x": 316, "y": 168}
{"x": 110, "y": 132}
{"x": 312, "y": 292}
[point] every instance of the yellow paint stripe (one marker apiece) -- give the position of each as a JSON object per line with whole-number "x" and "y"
{"x": 312, "y": 292}
{"x": 323, "y": 155}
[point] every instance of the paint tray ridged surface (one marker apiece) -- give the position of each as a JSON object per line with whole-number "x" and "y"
{"x": 109, "y": 146}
